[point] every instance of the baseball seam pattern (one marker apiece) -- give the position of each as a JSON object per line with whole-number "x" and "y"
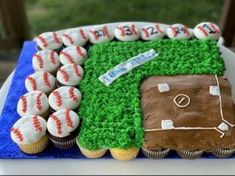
{"x": 46, "y": 79}
{"x": 94, "y": 34}
{"x": 68, "y": 118}
{"x": 173, "y": 30}
{"x": 83, "y": 34}
{"x": 37, "y": 124}
{"x": 33, "y": 82}
{"x": 58, "y": 98}
{"x": 68, "y": 57}
{"x": 64, "y": 74}
{"x": 58, "y": 123}
{"x": 72, "y": 95}
{"x": 214, "y": 28}
{"x": 158, "y": 28}
{"x": 75, "y": 67}
{"x": 40, "y": 60}
{"x": 69, "y": 38}
{"x": 203, "y": 30}
{"x": 44, "y": 42}
{"x": 24, "y": 103}
{"x": 133, "y": 29}
{"x": 145, "y": 32}
{"x": 52, "y": 57}
{"x": 38, "y": 101}
{"x": 17, "y": 133}
{"x": 56, "y": 37}
{"x": 122, "y": 31}
{"x": 106, "y": 32}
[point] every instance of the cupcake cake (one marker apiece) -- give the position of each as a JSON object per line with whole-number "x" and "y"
{"x": 29, "y": 133}
{"x": 69, "y": 75}
{"x": 33, "y": 103}
{"x": 73, "y": 55}
{"x": 40, "y": 80}
{"x": 65, "y": 97}
{"x": 63, "y": 128}
{"x": 46, "y": 60}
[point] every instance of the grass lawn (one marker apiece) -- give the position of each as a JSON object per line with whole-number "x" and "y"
{"x": 47, "y": 15}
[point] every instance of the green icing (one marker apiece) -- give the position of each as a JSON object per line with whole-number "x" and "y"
{"x": 111, "y": 116}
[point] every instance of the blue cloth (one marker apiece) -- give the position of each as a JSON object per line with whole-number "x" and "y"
{"x": 8, "y": 149}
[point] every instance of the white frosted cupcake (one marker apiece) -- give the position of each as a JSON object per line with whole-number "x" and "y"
{"x": 63, "y": 128}
{"x": 73, "y": 55}
{"x": 207, "y": 30}
{"x": 49, "y": 40}
{"x": 33, "y": 103}
{"x": 100, "y": 34}
{"x": 65, "y": 97}
{"x": 29, "y": 133}
{"x": 127, "y": 32}
{"x": 77, "y": 37}
{"x": 179, "y": 32}
{"x": 40, "y": 80}
{"x": 46, "y": 60}
{"x": 152, "y": 32}
{"x": 69, "y": 75}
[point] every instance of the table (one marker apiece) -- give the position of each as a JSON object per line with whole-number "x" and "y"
{"x": 111, "y": 166}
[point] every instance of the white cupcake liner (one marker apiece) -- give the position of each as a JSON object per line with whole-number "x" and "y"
{"x": 223, "y": 153}
{"x": 190, "y": 154}
{"x": 155, "y": 154}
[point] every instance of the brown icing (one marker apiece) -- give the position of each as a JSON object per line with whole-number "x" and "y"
{"x": 202, "y": 111}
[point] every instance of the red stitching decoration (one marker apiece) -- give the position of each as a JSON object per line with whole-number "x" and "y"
{"x": 158, "y": 28}
{"x": 145, "y": 32}
{"x": 69, "y": 38}
{"x": 106, "y": 32}
{"x": 94, "y": 34}
{"x": 58, "y": 98}
{"x": 133, "y": 29}
{"x": 44, "y": 42}
{"x": 173, "y": 30}
{"x": 38, "y": 101}
{"x": 83, "y": 34}
{"x": 52, "y": 57}
{"x": 68, "y": 57}
{"x": 55, "y": 36}
{"x": 122, "y": 31}
{"x": 72, "y": 95}
{"x": 68, "y": 118}
{"x": 78, "y": 49}
{"x": 17, "y": 133}
{"x": 39, "y": 59}
{"x": 75, "y": 67}
{"x": 64, "y": 74}
{"x": 33, "y": 82}
{"x": 214, "y": 28}
{"x": 24, "y": 103}
{"x": 203, "y": 30}
{"x": 46, "y": 79}
{"x": 37, "y": 124}
{"x": 58, "y": 123}
{"x": 186, "y": 30}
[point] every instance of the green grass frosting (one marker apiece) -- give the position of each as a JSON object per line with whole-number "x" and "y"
{"x": 111, "y": 116}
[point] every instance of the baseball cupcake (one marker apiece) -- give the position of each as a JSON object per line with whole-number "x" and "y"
{"x": 33, "y": 103}
{"x": 40, "y": 80}
{"x": 77, "y": 37}
{"x": 207, "y": 30}
{"x": 49, "y": 40}
{"x": 152, "y": 32}
{"x": 63, "y": 128}
{"x": 65, "y": 97}
{"x": 127, "y": 32}
{"x": 46, "y": 60}
{"x": 29, "y": 133}
{"x": 69, "y": 75}
{"x": 100, "y": 34}
{"x": 73, "y": 55}
{"x": 179, "y": 32}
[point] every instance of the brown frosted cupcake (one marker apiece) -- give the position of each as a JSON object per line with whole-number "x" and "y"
{"x": 223, "y": 153}
{"x": 63, "y": 128}
{"x": 155, "y": 154}
{"x": 33, "y": 103}
{"x": 124, "y": 154}
{"x": 29, "y": 133}
{"x": 190, "y": 154}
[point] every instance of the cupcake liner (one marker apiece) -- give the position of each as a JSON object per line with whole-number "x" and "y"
{"x": 124, "y": 154}
{"x": 36, "y": 147}
{"x": 223, "y": 153}
{"x": 190, "y": 154}
{"x": 45, "y": 115}
{"x": 63, "y": 144}
{"x": 155, "y": 154}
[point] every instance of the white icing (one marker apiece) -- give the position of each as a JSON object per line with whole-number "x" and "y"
{"x": 223, "y": 127}
{"x": 31, "y": 104}
{"x": 74, "y": 54}
{"x": 30, "y": 134}
{"x": 178, "y": 31}
{"x": 152, "y": 32}
{"x": 49, "y": 40}
{"x": 40, "y": 82}
{"x": 77, "y": 37}
{"x": 163, "y": 87}
{"x": 214, "y": 90}
{"x": 100, "y": 34}
{"x": 127, "y": 32}
{"x": 167, "y": 124}
{"x": 47, "y": 64}
{"x": 74, "y": 79}
{"x": 207, "y": 30}
{"x": 66, "y": 100}
{"x": 182, "y": 100}
{"x": 66, "y": 129}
